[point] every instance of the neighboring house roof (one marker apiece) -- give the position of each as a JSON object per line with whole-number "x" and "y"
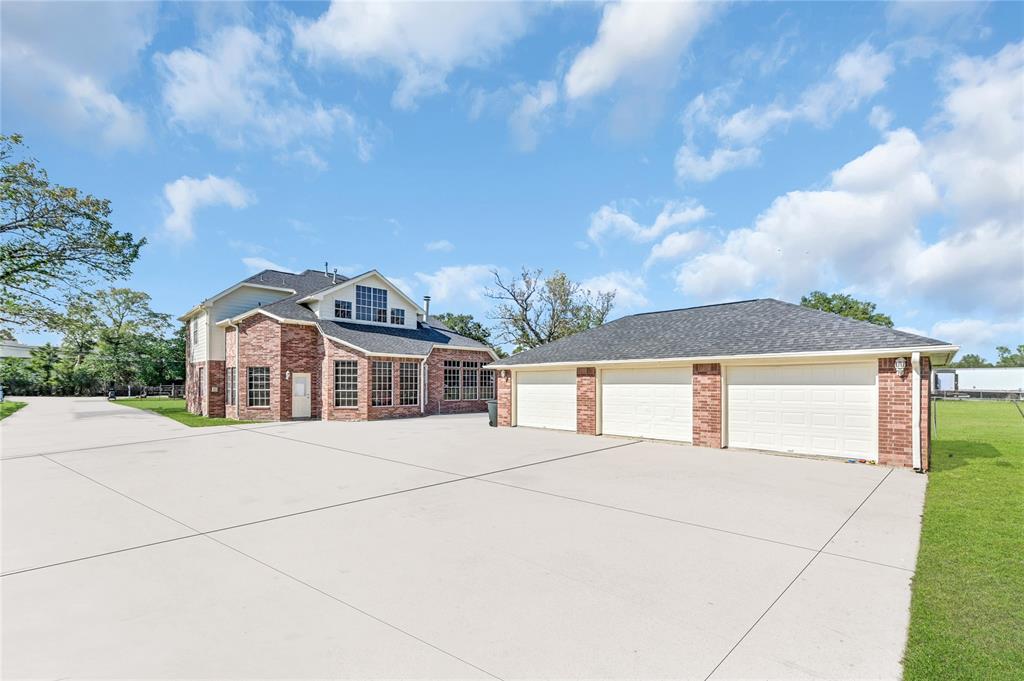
{"x": 749, "y": 327}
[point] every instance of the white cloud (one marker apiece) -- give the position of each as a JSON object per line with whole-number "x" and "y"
{"x": 257, "y": 264}
{"x": 236, "y": 89}
{"x": 423, "y": 42}
{"x": 628, "y": 288}
{"x": 187, "y": 194}
{"x": 866, "y": 229}
{"x": 690, "y": 165}
{"x": 856, "y": 76}
{"x": 457, "y": 283}
{"x": 976, "y": 333}
{"x": 441, "y": 245}
{"x": 637, "y": 42}
{"x": 532, "y": 113}
{"x": 675, "y": 245}
{"x": 71, "y": 83}
{"x": 611, "y": 221}
{"x": 880, "y": 118}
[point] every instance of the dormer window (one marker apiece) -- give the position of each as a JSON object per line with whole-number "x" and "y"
{"x": 398, "y": 316}
{"x": 343, "y": 309}
{"x": 371, "y": 304}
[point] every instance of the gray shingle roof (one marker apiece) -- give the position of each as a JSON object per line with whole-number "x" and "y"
{"x": 750, "y": 327}
{"x": 303, "y": 283}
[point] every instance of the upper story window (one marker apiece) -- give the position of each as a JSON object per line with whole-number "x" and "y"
{"x": 371, "y": 304}
{"x": 195, "y": 331}
{"x": 343, "y": 309}
{"x": 398, "y": 316}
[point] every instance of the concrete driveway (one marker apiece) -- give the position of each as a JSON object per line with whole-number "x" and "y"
{"x": 135, "y": 547}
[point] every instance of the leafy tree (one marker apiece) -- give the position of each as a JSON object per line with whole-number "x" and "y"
{"x": 846, "y": 306}
{"x": 7, "y": 335}
{"x": 1010, "y": 358}
{"x": 43, "y": 363}
{"x": 970, "y": 361}
{"x": 52, "y": 238}
{"x": 532, "y": 310}
{"x": 128, "y": 325}
{"x": 465, "y": 325}
{"x": 16, "y": 377}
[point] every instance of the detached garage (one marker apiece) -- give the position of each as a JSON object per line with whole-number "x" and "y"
{"x": 757, "y": 374}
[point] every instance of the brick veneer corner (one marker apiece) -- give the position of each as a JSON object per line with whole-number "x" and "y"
{"x": 586, "y": 400}
{"x": 895, "y": 414}
{"x": 503, "y": 386}
{"x": 707, "y": 405}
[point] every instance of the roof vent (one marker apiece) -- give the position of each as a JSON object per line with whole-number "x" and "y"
{"x": 326, "y": 273}
{"x": 335, "y": 280}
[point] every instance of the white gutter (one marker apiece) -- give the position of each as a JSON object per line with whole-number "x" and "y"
{"x": 838, "y": 354}
{"x": 238, "y": 363}
{"x": 915, "y": 410}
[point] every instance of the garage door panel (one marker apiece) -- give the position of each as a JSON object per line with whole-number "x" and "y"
{"x": 546, "y": 399}
{"x": 813, "y": 409}
{"x": 653, "y": 403}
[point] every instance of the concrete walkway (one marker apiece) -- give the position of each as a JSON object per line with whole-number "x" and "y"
{"x": 136, "y": 547}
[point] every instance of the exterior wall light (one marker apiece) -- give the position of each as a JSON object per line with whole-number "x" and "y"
{"x": 288, "y": 373}
{"x": 900, "y": 365}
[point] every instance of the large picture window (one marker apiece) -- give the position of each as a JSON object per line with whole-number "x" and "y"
{"x": 259, "y": 387}
{"x": 371, "y": 304}
{"x": 346, "y": 383}
{"x": 230, "y": 386}
{"x": 381, "y": 393}
{"x": 408, "y": 383}
{"x": 470, "y": 380}
{"x": 342, "y": 309}
{"x": 486, "y": 384}
{"x": 452, "y": 379}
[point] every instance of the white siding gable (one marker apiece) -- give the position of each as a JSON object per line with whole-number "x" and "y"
{"x": 233, "y": 304}
{"x": 198, "y": 329}
{"x": 347, "y": 292}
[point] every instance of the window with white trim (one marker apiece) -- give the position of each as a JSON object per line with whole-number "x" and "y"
{"x": 371, "y": 304}
{"x": 195, "y": 332}
{"x": 486, "y": 384}
{"x": 470, "y": 380}
{"x": 230, "y": 385}
{"x": 343, "y": 309}
{"x": 409, "y": 383}
{"x": 452, "y": 379}
{"x": 398, "y": 316}
{"x": 258, "y": 386}
{"x": 381, "y": 385}
{"x": 346, "y": 383}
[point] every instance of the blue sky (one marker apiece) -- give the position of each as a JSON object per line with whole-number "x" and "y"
{"x": 680, "y": 154}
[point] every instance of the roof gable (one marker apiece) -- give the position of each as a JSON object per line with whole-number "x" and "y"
{"x": 366, "y": 278}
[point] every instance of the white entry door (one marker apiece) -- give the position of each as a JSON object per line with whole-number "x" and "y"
{"x": 546, "y": 399}
{"x": 653, "y": 403}
{"x": 301, "y": 399}
{"x": 826, "y": 409}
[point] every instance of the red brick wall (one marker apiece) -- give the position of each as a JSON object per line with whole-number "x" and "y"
{"x": 586, "y": 400}
{"x": 895, "y": 413}
{"x": 193, "y": 400}
{"x": 301, "y": 352}
{"x": 436, "y": 404}
{"x": 503, "y": 388}
{"x": 707, "y": 405}
{"x": 333, "y": 351}
{"x": 230, "y": 410}
{"x": 214, "y": 388}
{"x": 259, "y": 345}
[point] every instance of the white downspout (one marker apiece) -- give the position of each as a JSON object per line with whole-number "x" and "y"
{"x": 915, "y": 410}
{"x": 238, "y": 407}
{"x": 423, "y": 385}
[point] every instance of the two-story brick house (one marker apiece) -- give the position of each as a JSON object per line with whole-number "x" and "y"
{"x": 280, "y": 346}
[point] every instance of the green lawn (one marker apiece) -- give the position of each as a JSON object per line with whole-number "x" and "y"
{"x": 967, "y": 612}
{"x": 7, "y": 408}
{"x": 175, "y": 409}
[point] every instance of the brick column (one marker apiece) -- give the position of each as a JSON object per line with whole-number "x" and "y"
{"x": 215, "y": 388}
{"x": 503, "y": 386}
{"x": 896, "y": 413}
{"x": 586, "y": 400}
{"x": 707, "y": 405}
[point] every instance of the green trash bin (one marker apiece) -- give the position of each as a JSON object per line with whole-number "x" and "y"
{"x": 492, "y": 413}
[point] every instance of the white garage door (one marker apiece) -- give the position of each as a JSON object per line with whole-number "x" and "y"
{"x": 654, "y": 403}
{"x": 826, "y": 409}
{"x": 546, "y": 399}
